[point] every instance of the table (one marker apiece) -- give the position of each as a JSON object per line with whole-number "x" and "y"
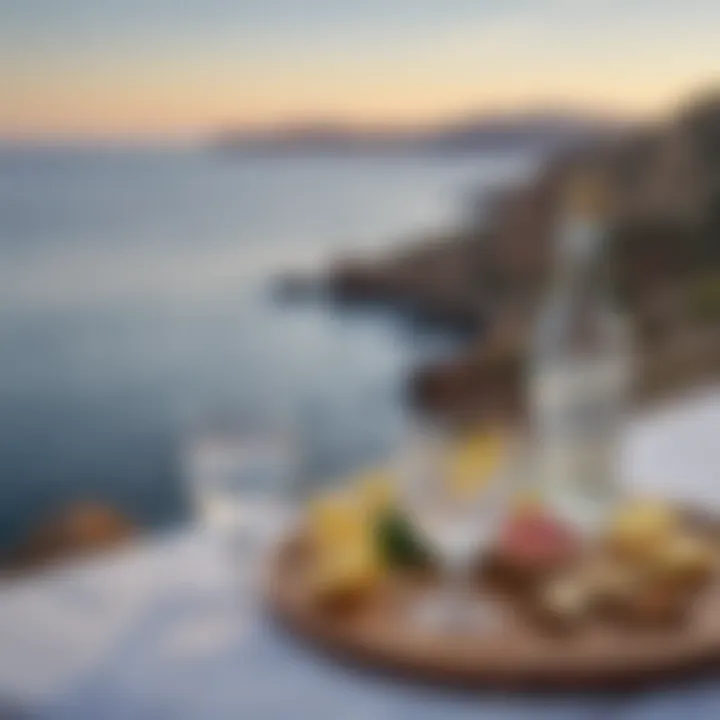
{"x": 162, "y": 629}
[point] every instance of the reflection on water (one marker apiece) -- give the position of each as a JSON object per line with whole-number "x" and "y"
{"x": 133, "y": 310}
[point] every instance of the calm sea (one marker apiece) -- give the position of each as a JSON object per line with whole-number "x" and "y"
{"x": 134, "y": 310}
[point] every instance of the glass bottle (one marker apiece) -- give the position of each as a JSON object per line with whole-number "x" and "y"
{"x": 580, "y": 368}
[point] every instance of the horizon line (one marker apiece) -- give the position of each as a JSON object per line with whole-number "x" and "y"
{"x": 191, "y": 136}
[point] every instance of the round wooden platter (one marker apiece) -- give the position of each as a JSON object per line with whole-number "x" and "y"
{"x": 383, "y": 633}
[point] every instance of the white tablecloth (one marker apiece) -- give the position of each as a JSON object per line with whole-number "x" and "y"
{"x": 163, "y": 629}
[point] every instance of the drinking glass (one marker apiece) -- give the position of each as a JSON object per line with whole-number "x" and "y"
{"x": 458, "y": 517}
{"x": 243, "y": 480}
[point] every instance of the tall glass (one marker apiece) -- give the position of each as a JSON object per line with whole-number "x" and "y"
{"x": 458, "y": 516}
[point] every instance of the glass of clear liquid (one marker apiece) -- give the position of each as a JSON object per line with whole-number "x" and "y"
{"x": 458, "y": 521}
{"x": 242, "y": 478}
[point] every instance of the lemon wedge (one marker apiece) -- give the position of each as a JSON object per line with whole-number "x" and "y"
{"x": 348, "y": 571}
{"x": 474, "y": 459}
{"x": 336, "y": 518}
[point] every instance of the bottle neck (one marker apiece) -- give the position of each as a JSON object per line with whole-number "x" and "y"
{"x": 580, "y": 258}
{"x": 579, "y": 313}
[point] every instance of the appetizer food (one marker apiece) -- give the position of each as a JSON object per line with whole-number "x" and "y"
{"x": 399, "y": 544}
{"x": 343, "y": 578}
{"x": 640, "y": 528}
{"x": 654, "y": 604}
{"x": 611, "y": 583}
{"x": 565, "y": 602}
{"x": 534, "y": 545}
{"x": 647, "y": 569}
{"x": 653, "y": 542}
{"x": 346, "y": 559}
{"x": 684, "y": 561}
{"x": 359, "y": 533}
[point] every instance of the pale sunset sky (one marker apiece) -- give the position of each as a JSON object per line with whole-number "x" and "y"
{"x": 176, "y": 68}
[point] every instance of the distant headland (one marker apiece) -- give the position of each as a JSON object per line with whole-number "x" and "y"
{"x": 539, "y": 129}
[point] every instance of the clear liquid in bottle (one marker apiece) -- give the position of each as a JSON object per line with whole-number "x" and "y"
{"x": 579, "y": 376}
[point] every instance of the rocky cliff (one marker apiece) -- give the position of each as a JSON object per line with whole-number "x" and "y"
{"x": 664, "y": 183}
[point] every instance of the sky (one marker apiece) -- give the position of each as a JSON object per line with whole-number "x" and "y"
{"x": 177, "y": 68}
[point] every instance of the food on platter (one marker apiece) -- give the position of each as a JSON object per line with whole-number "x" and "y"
{"x": 565, "y": 602}
{"x": 611, "y": 583}
{"x": 360, "y": 531}
{"x": 640, "y": 528}
{"x": 335, "y": 520}
{"x": 534, "y": 545}
{"x": 343, "y": 578}
{"x": 648, "y": 568}
{"x": 654, "y": 604}
{"x": 685, "y": 561}
{"x": 668, "y": 561}
{"x": 399, "y": 543}
{"x": 346, "y": 562}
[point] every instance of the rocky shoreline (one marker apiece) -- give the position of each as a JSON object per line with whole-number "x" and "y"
{"x": 486, "y": 279}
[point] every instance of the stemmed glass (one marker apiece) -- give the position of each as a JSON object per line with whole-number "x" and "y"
{"x": 457, "y": 511}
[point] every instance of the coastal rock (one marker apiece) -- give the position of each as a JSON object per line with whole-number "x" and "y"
{"x": 486, "y": 381}
{"x": 664, "y": 209}
{"x": 78, "y": 530}
{"x": 425, "y": 287}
